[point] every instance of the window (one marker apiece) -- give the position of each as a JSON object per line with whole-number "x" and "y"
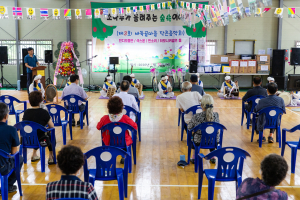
{"x": 211, "y": 49}
{"x": 39, "y": 47}
{"x": 297, "y": 44}
{"x": 89, "y": 52}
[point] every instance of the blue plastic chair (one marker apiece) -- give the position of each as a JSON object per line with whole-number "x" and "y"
{"x": 9, "y": 101}
{"x": 271, "y": 116}
{"x": 55, "y": 111}
{"x": 127, "y": 110}
{"x": 229, "y": 168}
{"x": 179, "y": 116}
{"x": 209, "y": 131}
{"x": 117, "y": 132}
{"x": 106, "y": 167}
{"x": 192, "y": 109}
{"x": 28, "y": 132}
{"x": 138, "y": 101}
{"x": 254, "y": 100}
{"x": 74, "y": 107}
{"x": 294, "y": 145}
{"x": 4, "y": 178}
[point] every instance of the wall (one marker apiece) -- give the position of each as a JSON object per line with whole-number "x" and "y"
{"x": 263, "y": 30}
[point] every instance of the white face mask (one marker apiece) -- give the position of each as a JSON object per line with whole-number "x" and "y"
{"x": 39, "y": 81}
{"x": 133, "y": 79}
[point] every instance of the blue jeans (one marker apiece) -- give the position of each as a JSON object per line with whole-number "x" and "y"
{"x": 6, "y": 169}
{"x": 29, "y": 81}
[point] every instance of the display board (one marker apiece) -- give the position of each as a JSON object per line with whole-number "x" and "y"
{"x": 244, "y": 47}
{"x": 156, "y": 38}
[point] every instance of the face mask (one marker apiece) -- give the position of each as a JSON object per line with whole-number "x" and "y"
{"x": 39, "y": 81}
{"x": 133, "y": 79}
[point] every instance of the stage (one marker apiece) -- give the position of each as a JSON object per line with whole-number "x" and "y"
{"x": 156, "y": 174}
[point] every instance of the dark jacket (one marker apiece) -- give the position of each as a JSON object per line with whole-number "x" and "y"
{"x": 258, "y": 90}
{"x": 197, "y": 88}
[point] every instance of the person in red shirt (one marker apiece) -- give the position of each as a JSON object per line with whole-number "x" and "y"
{"x": 115, "y": 108}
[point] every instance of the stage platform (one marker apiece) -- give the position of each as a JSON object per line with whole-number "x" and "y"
{"x": 156, "y": 174}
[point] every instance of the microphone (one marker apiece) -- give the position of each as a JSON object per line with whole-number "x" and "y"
{"x": 95, "y": 56}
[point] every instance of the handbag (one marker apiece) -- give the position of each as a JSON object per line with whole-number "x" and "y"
{"x": 45, "y": 140}
{"x": 257, "y": 193}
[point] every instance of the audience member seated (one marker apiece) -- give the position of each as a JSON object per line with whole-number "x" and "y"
{"x": 273, "y": 171}
{"x": 271, "y": 100}
{"x": 70, "y": 160}
{"x": 256, "y": 90}
{"x": 107, "y": 83}
{"x": 207, "y": 115}
{"x": 75, "y": 89}
{"x": 128, "y": 99}
{"x": 9, "y": 143}
{"x": 195, "y": 86}
{"x": 42, "y": 117}
{"x": 165, "y": 88}
{"x": 135, "y": 81}
{"x": 200, "y": 83}
{"x": 187, "y": 99}
{"x": 115, "y": 108}
{"x": 132, "y": 90}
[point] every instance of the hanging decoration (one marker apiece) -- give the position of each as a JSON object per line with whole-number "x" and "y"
{"x": 158, "y": 6}
{"x": 147, "y": 8}
{"x": 163, "y": 5}
{"x": 258, "y": 13}
{"x": 78, "y": 14}
{"x": 121, "y": 11}
{"x": 141, "y": 9}
{"x": 266, "y": 10}
{"x": 56, "y": 14}
{"x": 135, "y": 9}
{"x": 88, "y": 13}
{"x": 44, "y": 13}
{"x": 17, "y": 13}
{"x": 278, "y": 12}
{"x": 291, "y": 12}
{"x": 114, "y": 12}
{"x": 152, "y": 7}
{"x": 252, "y": 6}
{"x": 128, "y": 11}
{"x": 3, "y": 12}
{"x": 31, "y": 13}
{"x": 97, "y": 13}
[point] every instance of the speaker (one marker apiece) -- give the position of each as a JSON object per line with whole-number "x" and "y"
{"x": 278, "y": 62}
{"x": 3, "y": 55}
{"x": 114, "y": 60}
{"x": 295, "y": 56}
{"x": 193, "y": 66}
{"x": 48, "y": 56}
{"x": 281, "y": 81}
{"x": 23, "y": 81}
{"x": 24, "y": 53}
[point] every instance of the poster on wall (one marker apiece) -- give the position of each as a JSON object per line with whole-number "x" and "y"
{"x": 149, "y": 39}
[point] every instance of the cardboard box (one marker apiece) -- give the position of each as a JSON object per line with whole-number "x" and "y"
{"x": 263, "y": 67}
{"x": 230, "y": 54}
{"x": 252, "y": 65}
{"x": 225, "y": 69}
{"x": 263, "y": 59}
{"x": 243, "y": 66}
{"x": 234, "y": 66}
{"x": 222, "y": 59}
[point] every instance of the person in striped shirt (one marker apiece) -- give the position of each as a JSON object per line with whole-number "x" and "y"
{"x": 70, "y": 159}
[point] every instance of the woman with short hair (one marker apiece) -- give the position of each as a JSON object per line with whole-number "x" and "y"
{"x": 273, "y": 171}
{"x": 207, "y": 115}
{"x": 70, "y": 159}
{"x": 42, "y": 117}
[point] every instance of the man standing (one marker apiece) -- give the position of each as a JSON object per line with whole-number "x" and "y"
{"x": 128, "y": 99}
{"x": 271, "y": 100}
{"x": 9, "y": 143}
{"x": 75, "y": 89}
{"x": 195, "y": 86}
{"x": 256, "y": 90}
{"x": 187, "y": 99}
{"x": 30, "y": 61}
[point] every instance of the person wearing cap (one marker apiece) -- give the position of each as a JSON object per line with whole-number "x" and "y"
{"x": 226, "y": 84}
{"x": 135, "y": 81}
{"x": 195, "y": 86}
{"x": 107, "y": 83}
{"x": 270, "y": 80}
{"x": 31, "y": 62}
{"x": 200, "y": 83}
{"x": 36, "y": 85}
{"x": 163, "y": 86}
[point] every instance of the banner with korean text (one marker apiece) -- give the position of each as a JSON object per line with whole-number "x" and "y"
{"x": 155, "y": 38}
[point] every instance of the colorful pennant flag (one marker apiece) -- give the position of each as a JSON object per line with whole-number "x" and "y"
{"x": 141, "y": 8}
{"x": 97, "y": 13}
{"x": 266, "y": 10}
{"x": 104, "y": 12}
{"x": 163, "y": 5}
{"x": 31, "y": 13}
{"x": 152, "y": 7}
{"x": 17, "y": 13}
{"x": 247, "y": 12}
{"x": 181, "y": 4}
{"x": 188, "y": 5}
{"x": 3, "y": 12}
{"x": 56, "y": 14}
{"x": 67, "y": 14}
{"x": 134, "y": 9}
{"x": 147, "y": 8}
{"x": 78, "y": 14}
{"x": 194, "y": 6}
{"x": 158, "y": 6}
{"x": 258, "y": 13}
{"x": 128, "y": 11}
{"x": 121, "y": 11}
{"x": 114, "y": 12}
{"x": 278, "y": 12}
{"x": 291, "y": 12}
{"x": 88, "y": 13}
{"x": 170, "y": 5}
{"x": 44, "y": 13}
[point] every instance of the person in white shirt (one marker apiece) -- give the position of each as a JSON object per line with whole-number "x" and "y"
{"x": 226, "y": 84}
{"x": 200, "y": 83}
{"x": 107, "y": 83}
{"x": 135, "y": 81}
{"x": 163, "y": 87}
{"x": 187, "y": 100}
{"x": 128, "y": 99}
{"x": 36, "y": 85}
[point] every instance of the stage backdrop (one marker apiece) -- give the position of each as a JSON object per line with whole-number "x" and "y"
{"x": 155, "y": 38}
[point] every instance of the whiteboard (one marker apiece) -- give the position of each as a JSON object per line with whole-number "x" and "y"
{"x": 243, "y": 47}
